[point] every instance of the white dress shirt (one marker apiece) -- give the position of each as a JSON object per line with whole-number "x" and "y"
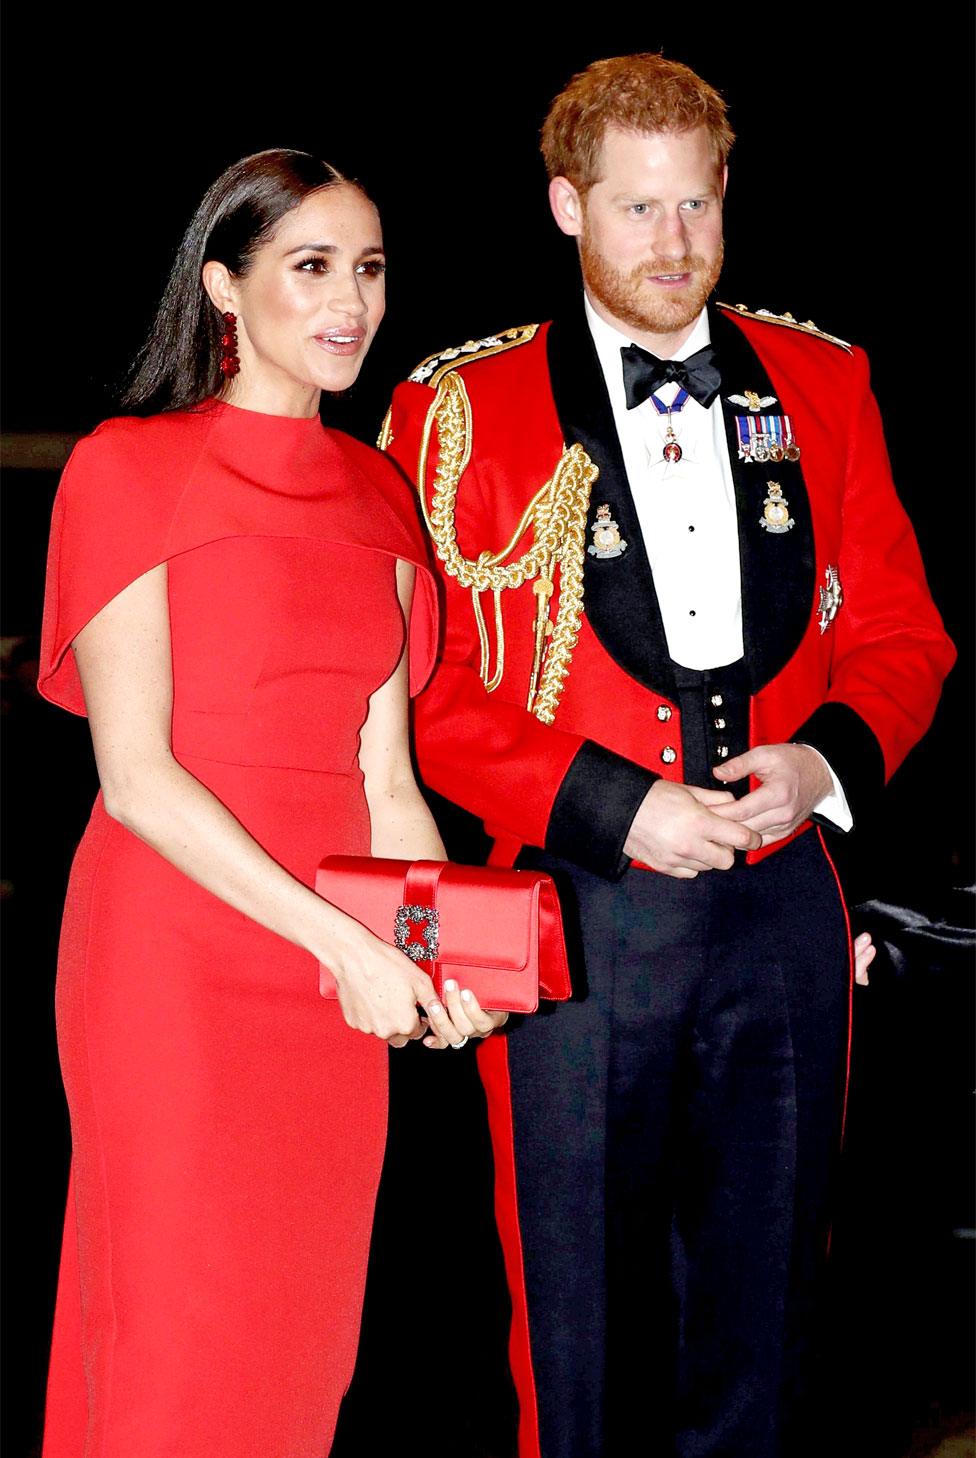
{"x": 688, "y": 519}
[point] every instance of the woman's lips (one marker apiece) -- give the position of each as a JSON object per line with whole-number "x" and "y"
{"x": 341, "y": 341}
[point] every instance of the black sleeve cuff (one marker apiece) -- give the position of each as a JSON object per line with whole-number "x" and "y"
{"x": 853, "y": 753}
{"x": 594, "y": 808}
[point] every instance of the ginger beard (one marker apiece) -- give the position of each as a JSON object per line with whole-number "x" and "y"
{"x": 627, "y": 295}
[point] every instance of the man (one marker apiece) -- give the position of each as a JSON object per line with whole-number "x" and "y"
{"x": 686, "y": 617}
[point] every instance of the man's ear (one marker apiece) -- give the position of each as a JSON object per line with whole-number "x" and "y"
{"x": 567, "y": 206}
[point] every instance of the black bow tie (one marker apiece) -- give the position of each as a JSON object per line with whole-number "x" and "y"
{"x": 644, "y": 373}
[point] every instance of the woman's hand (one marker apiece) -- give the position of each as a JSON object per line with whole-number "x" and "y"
{"x": 379, "y": 992}
{"x": 864, "y": 954}
{"x": 464, "y": 1015}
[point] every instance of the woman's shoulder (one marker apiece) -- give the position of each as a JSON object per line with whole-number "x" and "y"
{"x": 379, "y": 470}
{"x": 123, "y": 437}
{"x": 134, "y": 455}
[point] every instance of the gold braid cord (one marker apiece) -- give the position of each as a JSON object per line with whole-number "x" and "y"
{"x": 557, "y": 515}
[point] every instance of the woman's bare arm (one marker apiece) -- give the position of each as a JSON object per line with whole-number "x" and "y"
{"x": 401, "y": 825}
{"x": 124, "y": 660}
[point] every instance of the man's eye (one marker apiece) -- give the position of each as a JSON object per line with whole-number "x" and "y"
{"x": 638, "y": 209}
{"x": 693, "y": 205}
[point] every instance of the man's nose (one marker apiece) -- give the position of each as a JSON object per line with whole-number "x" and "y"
{"x": 670, "y": 237}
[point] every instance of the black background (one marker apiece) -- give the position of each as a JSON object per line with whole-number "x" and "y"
{"x": 849, "y": 203}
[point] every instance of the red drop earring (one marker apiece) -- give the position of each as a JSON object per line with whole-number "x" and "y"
{"x": 229, "y": 364}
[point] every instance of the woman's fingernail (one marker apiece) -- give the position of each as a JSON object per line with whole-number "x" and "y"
{"x": 435, "y": 1008}
{"x": 465, "y": 996}
{"x": 450, "y": 985}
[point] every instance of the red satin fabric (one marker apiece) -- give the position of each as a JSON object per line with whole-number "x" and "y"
{"x": 500, "y": 932}
{"x": 227, "y": 1127}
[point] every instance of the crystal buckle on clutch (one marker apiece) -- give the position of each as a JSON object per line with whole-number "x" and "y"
{"x": 414, "y": 916}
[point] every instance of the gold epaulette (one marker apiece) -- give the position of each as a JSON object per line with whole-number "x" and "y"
{"x": 786, "y": 321}
{"x": 430, "y": 370}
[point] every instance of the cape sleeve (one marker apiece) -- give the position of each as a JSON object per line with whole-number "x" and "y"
{"x": 410, "y": 544}
{"x": 137, "y": 492}
{"x": 108, "y": 528}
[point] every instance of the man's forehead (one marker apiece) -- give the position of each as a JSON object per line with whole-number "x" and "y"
{"x": 623, "y": 147}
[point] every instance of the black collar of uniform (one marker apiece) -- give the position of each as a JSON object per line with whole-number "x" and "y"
{"x": 619, "y": 593}
{"x": 777, "y": 571}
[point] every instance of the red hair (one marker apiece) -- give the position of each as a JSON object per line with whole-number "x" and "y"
{"x": 643, "y": 94}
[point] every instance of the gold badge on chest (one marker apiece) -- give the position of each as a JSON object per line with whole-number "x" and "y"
{"x": 607, "y": 541}
{"x": 776, "y": 510}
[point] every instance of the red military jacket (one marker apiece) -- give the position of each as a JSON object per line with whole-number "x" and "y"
{"x": 554, "y": 708}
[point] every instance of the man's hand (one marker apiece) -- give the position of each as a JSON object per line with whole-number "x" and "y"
{"x": 677, "y": 830}
{"x": 793, "y": 778}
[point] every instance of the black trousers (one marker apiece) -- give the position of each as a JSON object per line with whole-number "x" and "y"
{"x": 676, "y": 1126}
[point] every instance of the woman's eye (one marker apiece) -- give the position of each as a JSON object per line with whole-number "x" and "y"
{"x": 312, "y": 265}
{"x": 372, "y": 268}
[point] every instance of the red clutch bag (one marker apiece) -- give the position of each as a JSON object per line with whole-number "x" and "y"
{"x": 494, "y": 930}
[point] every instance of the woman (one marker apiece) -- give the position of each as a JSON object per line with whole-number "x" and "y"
{"x": 227, "y": 589}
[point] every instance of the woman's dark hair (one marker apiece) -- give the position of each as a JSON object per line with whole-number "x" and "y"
{"x": 178, "y": 367}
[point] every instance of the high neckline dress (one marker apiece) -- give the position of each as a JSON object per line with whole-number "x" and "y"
{"x": 227, "y": 1126}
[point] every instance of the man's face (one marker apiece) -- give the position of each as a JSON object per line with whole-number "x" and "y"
{"x": 650, "y": 233}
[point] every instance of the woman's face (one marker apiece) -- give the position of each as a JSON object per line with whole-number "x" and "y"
{"x": 310, "y": 305}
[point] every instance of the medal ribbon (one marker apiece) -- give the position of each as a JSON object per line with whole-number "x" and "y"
{"x": 762, "y": 429}
{"x": 677, "y": 404}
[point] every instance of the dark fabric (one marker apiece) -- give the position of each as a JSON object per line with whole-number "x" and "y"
{"x": 621, "y": 603}
{"x": 645, "y": 372}
{"x": 714, "y": 707}
{"x": 593, "y": 811}
{"x": 853, "y": 753}
{"x": 777, "y": 571}
{"x": 676, "y": 1128}
{"x": 919, "y": 943}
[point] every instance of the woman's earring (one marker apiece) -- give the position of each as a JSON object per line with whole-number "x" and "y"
{"x": 229, "y": 364}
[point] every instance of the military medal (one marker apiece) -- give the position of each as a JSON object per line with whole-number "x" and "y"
{"x": 607, "y": 541}
{"x": 831, "y": 598}
{"x": 672, "y": 450}
{"x": 776, "y": 510}
{"x": 765, "y": 438}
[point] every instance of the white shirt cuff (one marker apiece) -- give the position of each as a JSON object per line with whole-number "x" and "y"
{"x": 833, "y": 807}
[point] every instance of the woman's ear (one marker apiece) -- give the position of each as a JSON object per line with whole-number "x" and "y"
{"x": 221, "y": 286}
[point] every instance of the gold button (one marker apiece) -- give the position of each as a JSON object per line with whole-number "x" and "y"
{"x": 716, "y": 701}
{"x": 669, "y": 754}
{"x": 663, "y": 713}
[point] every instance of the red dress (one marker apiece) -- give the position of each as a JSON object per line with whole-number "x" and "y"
{"x": 227, "y": 1127}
